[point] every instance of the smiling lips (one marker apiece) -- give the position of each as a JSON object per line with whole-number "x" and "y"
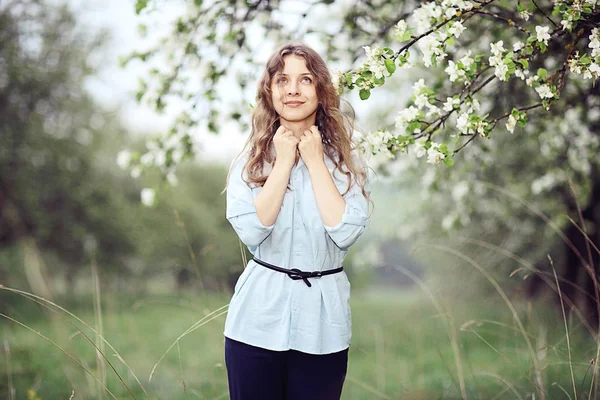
{"x": 294, "y": 103}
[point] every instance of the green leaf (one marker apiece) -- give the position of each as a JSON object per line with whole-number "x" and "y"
{"x": 406, "y": 36}
{"x": 449, "y": 161}
{"x": 390, "y": 65}
{"x": 364, "y": 94}
{"x": 198, "y": 3}
{"x": 140, "y": 5}
{"x": 450, "y": 41}
{"x": 348, "y": 76}
{"x": 387, "y": 50}
{"x": 379, "y": 81}
{"x": 541, "y": 72}
{"x": 412, "y": 126}
{"x": 524, "y": 63}
{"x": 509, "y": 56}
{"x": 515, "y": 113}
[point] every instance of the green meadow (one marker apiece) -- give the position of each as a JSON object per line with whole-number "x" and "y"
{"x": 407, "y": 344}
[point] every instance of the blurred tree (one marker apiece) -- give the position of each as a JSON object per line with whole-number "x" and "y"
{"x": 486, "y": 63}
{"x": 51, "y": 195}
{"x": 61, "y": 202}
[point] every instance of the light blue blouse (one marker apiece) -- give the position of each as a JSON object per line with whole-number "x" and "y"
{"x": 270, "y": 310}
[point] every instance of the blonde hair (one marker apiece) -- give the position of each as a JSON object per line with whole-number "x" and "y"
{"x": 336, "y": 128}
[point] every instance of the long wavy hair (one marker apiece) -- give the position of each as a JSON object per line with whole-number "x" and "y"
{"x": 336, "y": 127}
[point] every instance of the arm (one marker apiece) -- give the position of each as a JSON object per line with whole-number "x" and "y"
{"x": 241, "y": 211}
{"x": 330, "y": 202}
{"x": 344, "y": 218}
{"x": 268, "y": 201}
{"x": 343, "y": 221}
{"x": 254, "y": 218}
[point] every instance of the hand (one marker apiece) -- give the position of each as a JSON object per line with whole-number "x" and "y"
{"x": 311, "y": 146}
{"x": 286, "y": 145}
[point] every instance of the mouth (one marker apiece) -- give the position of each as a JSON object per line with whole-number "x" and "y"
{"x": 294, "y": 103}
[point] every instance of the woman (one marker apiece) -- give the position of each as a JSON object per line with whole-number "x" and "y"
{"x": 297, "y": 199}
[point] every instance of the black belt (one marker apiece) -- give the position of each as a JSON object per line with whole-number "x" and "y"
{"x": 296, "y": 274}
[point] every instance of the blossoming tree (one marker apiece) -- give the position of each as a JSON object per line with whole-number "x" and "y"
{"x": 504, "y": 95}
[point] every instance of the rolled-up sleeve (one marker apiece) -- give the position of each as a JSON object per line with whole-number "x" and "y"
{"x": 355, "y": 218}
{"x": 241, "y": 212}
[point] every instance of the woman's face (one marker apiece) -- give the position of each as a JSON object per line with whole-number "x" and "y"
{"x": 294, "y": 93}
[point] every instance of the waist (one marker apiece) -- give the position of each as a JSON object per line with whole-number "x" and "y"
{"x": 297, "y": 274}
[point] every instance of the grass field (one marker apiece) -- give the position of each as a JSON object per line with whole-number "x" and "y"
{"x": 406, "y": 345}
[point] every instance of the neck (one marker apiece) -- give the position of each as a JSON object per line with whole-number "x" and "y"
{"x": 299, "y": 127}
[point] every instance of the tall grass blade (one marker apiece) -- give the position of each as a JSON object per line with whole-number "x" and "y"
{"x": 62, "y": 350}
{"x": 508, "y": 303}
{"x": 562, "y": 306}
{"x": 101, "y": 367}
{"x": 196, "y": 325}
{"x": 46, "y": 303}
{"x": 452, "y": 331}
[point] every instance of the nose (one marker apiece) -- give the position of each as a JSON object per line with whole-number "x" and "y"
{"x": 292, "y": 89}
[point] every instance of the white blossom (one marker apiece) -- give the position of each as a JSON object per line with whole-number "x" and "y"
{"x": 544, "y": 91}
{"x": 529, "y": 81}
{"x": 462, "y": 122}
{"x": 336, "y": 76}
{"x": 511, "y": 123}
{"x": 567, "y": 24}
{"x": 123, "y": 159}
{"x": 400, "y": 29}
{"x": 460, "y": 190}
{"x": 406, "y": 116}
{"x": 450, "y": 103}
{"x": 434, "y": 156}
{"x": 500, "y": 71}
{"x": 480, "y": 127}
{"x": 454, "y": 71}
{"x": 473, "y": 106}
{"x": 148, "y": 196}
{"x": 497, "y": 48}
{"x": 542, "y": 34}
{"x": 147, "y": 159}
{"x": 418, "y": 86}
{"x": 467, "y": 60}
{"x": 448, "y": 221}
{"x": 518, "y": 46}
{"x": 433, "y": 110}
{"x": 544, "y": 183}
{"x": 595, "y": 42}
{"x": 430, "y": 47}
{"x": 419, "y": 148}
{"x": 456, "y": 29}
{"x": 135, "y": 172}
{"x": 525, "y": 15}
{"x": 421, "y": 100}
{"x": 172, "y": 178}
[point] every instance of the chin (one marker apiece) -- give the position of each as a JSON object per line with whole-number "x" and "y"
{"x": 296, "y": 117}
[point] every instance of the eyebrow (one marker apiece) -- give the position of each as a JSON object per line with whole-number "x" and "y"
{"x": 282, "y": 74}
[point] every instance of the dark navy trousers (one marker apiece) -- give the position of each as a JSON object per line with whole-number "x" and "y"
{"x": 255, "y": 373}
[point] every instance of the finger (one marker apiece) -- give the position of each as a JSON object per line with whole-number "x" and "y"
{"x": 280, "y": 131}
{"x": 315, "y": 131}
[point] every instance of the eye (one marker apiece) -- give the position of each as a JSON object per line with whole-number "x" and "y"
{"x": 307, "y": 79}
{"x": 281, "y": 80}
